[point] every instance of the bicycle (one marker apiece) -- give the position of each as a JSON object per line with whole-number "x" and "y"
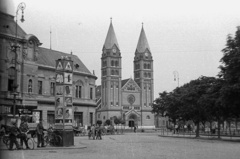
{"x": 52, "y": 138}
{"x": 29, "y": 141}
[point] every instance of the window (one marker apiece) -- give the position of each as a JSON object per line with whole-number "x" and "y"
{"x": 91, "y": 118}
{"x": 50, "y": 117}
{"x": 39, "y": 87}
{"x": 30, "y": 86}
{"x": 116, "y": 63}
{"x": 116, "y": 72}
{"x": 78, "y": 93}
{"x": 148, "y": 117}
{"x": 11, "y": 75}
{"x": 111, "y": 103}
{"x": 91, "y": 93}
{"x": 112, "y": 63}
{"x": 52, "y": 90}
{"x": 78, "y": 118}
{"x": 98, "y": 116}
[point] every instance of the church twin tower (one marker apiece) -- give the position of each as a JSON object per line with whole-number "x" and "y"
{"x": 128, "y": 99}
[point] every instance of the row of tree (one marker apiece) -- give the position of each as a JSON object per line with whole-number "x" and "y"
{"x": 207, "y": 98}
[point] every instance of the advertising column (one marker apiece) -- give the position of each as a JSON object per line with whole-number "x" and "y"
{"x": 63, "y": 100}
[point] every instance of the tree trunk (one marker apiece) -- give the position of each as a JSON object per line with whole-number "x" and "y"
{"x": 219, "y": 133}
{"x": 236, "y": 124}
{"x": 229, "y": 127}
{"x": 197, "y": 131}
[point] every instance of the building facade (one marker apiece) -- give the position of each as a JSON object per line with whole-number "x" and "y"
{"x": 128, "y": 99}
{"x": 34, "y": 70}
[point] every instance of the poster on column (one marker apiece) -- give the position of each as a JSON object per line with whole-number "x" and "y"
{"x": 68, "y": 117}
{"x": 68, "y": 91}
{"x": 59, "y": 78}
{"x": 67, "y": 78}
{"x": 59, "y": 90}
{"x": 68, "y": 100}
{"x": 68, "y": 65}
{"x": 59, "y": 113}
{"x": 59, "y": 102}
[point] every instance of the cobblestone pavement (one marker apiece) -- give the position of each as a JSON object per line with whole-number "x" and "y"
{"x": 134, "y": 146}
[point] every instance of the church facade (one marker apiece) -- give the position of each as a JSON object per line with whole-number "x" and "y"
{"x": 127, "y": 99}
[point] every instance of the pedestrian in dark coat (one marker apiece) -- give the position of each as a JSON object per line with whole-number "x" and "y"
{"x": 14, "y": 131}
{"x": 40, "y": 134}
{"x": 23, "y": 135}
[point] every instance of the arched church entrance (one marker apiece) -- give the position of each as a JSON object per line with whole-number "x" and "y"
{"x": 132, "y": 120}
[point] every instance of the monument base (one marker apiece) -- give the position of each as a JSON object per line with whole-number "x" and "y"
{"x": 67, "y": 137}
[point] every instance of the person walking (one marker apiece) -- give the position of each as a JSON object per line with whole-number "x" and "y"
{"x": 14, "y": 131}
{"x": 23, "y": 133}
{"x": 93, "y": 129}
{"x": 40, "y": 134}
{"x": 135, "y": 128}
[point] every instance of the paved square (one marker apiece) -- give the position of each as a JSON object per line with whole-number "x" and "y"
{"x": 135, "y": 146}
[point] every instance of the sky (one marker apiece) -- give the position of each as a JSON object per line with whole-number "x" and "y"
{"x": 186, "y": 36}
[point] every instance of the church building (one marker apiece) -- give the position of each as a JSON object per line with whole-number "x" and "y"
{"x": 127, "y": 99}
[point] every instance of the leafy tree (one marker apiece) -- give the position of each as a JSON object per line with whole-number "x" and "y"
{"x": 99, "y": 122}
{"x": 230, "y": 92}
{"x": 108, "y": 122}
{"x": 191, "y": 101}
{"x": 159, "y": 105}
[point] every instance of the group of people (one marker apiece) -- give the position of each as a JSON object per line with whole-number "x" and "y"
{"x": 21, "y": 132}
{"x": 95, "y": 132}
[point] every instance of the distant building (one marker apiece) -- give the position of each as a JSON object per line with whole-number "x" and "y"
{"x": 129, "y": 99}
{"x": 36, "y": 78}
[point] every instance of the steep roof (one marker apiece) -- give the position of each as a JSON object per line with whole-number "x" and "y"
{"x": 48, "y": 57}
{"x": 8, "y": 26}
{"x": 142, "y": 42}
{"x": 125, "y": 81}
{"x": 111, "y": 38}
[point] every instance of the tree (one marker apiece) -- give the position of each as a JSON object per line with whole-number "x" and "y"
{"x": 159, "y": 105}
{"x": 230, "y": 92}
{"x": 99, "y": 122}
{"x": 108, "y": 122}
{"x": 191, "y": 101}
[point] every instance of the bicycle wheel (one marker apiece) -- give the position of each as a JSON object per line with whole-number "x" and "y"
{"x": 46, "y": 140}
{"x": 30, "y": 143}
{"x": 5, "y": 139}
{"x": 58, "y": 140}
{"x": 7, "y": 143}
{"x": 34, "y": 137}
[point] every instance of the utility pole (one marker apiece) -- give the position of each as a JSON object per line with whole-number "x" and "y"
{"x": 14, "y": 48}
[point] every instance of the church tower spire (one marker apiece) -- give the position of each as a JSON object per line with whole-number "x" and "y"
{"x": 111, "y": 39}
{"x": 111, "y": 73}
{"x": 142, "y": 45}
{"x": 143, "y": 70}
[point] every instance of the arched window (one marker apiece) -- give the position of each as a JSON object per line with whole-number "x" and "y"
{"x": 149, "y": 66}
{"x": 116, "y": 63}
{"x": 145, "y": 74}
{"x": 149, "y": 75}
{"x": 30, "y": 86}
{"x": 148, "y": 117}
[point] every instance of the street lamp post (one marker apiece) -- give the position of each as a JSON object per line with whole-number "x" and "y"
{"x": 14, "y": 48}
{"x": 176, "y": 76}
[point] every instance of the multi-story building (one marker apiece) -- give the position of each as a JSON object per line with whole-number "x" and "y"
{"x": 128, "y": 99}
{"x": 35, "y": 74}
